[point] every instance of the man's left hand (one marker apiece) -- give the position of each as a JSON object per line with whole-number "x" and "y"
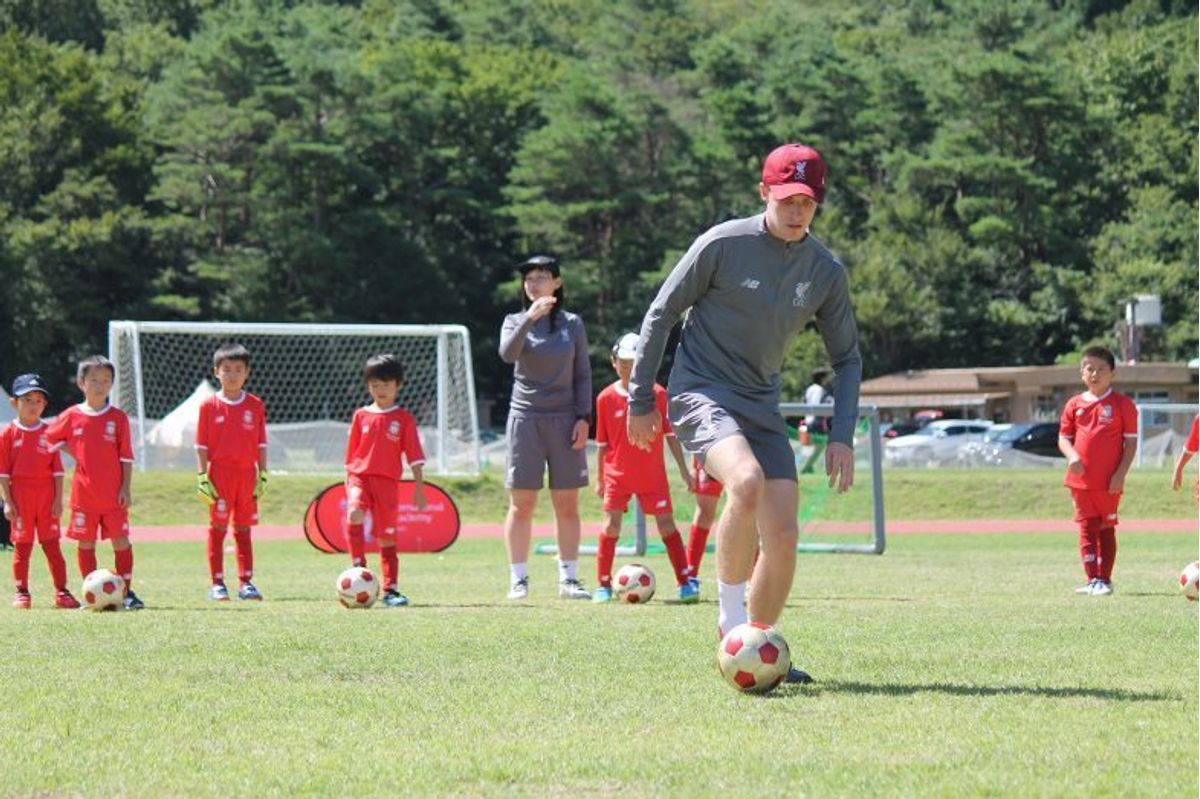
{"x": 839, "y": 465}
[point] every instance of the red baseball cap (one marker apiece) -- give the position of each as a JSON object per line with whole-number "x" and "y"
{"x": 793, "y": 169}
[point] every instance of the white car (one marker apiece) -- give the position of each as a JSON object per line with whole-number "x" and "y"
{"x": 937, "y": 443}
{"x": 974, "y": 453}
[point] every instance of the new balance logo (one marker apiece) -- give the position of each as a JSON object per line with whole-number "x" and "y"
{"x": 749, "y": 283}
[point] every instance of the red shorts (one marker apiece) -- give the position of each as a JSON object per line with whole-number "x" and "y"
{"x": 654, "y": 502}
{"x": 705, "y": 485}
{"x": 235, "y": 492}
{"x": 1096, "y": 504}
{"x": 34, "y": 521}
{"x": 85, "y": 525}
{"x": 379, "y": 496}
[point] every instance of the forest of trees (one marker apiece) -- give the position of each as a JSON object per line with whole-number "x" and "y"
{"x": 1004, "y": 174}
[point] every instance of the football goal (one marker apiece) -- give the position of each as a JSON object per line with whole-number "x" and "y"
{"x": 310, "y": 378}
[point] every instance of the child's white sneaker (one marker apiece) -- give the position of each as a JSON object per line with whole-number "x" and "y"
{"x": 1102, "y": 588}
{"x": 519, "y": 589}
{"x": 1086, "y": 588}
{"x": 572, "y": 589}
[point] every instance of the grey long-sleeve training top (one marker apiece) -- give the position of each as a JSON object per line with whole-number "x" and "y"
{"x": 552, "y": 375}
{"x": 750, "y": 294}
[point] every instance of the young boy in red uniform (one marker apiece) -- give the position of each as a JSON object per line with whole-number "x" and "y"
{"x": 624, "y": 470}
{"x": 1098, "y": 436}
{"x": 31, "y": 490}
{"x": 231, "y": 454}
{"x": 96, "y": 434}
{"x": 381, "y": 435}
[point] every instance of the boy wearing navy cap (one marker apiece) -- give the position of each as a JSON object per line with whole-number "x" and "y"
{"x": 31, "y": 482}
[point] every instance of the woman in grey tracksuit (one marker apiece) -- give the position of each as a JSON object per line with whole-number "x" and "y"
{"x": 547, "y": 422}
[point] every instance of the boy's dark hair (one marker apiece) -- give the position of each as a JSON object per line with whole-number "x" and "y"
{"x": 385, "y": 366}
{"x": 231, "y": 352}
{"x": 1103, "y": 353}
{"x": 95, "y": 362}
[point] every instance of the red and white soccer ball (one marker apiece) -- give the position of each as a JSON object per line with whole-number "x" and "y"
{"x": 754, "y": 658}
{"x": 103, "y": 590}
{"x": 1189, "y": 581}
{"x": 635, "y": 583}
{"x": 357, "y": 588}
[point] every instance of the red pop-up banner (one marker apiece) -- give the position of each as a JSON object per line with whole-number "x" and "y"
{"x": 430, "y": 530}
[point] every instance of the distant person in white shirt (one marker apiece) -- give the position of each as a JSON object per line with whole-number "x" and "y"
{"x": 817, "y": 394}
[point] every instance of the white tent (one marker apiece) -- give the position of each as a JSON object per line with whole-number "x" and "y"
{"x": 178, "y": 428}
{"x": 7, "y": 414}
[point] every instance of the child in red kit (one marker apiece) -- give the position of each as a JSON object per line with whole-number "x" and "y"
{"x": 624, "y": 471}
{"x": 381, "y": 435}
{"x": 707, "y": 491}
{"x": 231, "y": 454}
{"x": 1189, "y": 452}
{"x": 31, "y": 491}
{"x": 96, "y": 434}
{"x": 1098, "y": 436}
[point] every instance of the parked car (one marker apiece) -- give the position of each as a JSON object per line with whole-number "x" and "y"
{"x": 936, "y": 443}
{"x": 897, "y": 429}
{"x": 1035, "y": 438}
{"x": 974, "y": 453}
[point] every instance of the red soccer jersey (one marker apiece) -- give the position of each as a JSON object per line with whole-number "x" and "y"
{"x": 638, "y": 469}
{"x": 1098, "y": 427}
{"x": 99, "y": 442}
{"x": 26, "y": 454}
{"x": 378, "y": 439}
{"x": 1193, "y": 442}
{"x": 232, "y": 431}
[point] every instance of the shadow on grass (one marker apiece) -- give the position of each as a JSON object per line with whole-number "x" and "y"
{"x": 906, "y": 689}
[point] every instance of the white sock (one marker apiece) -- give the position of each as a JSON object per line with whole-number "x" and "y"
{"x": 566, "y": 569}
{"x": 731, "y": 598}
{"x": 519, "y": 571}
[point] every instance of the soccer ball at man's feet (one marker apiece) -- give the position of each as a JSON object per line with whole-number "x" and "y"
{"x": 103, "y": 590}
{"x": 1189, "y": 581}
{"x": 754, "y": 658}
{"x": 357, "y": 588}
{"x": 634, "y": 583}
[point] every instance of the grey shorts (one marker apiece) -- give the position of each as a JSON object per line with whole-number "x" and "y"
{"x": 535, "y": 442}
{"x": 702, "y": 418}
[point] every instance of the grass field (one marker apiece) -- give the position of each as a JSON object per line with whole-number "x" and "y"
{"x": 951, "y": 666}
{"x": 167, "y": 497}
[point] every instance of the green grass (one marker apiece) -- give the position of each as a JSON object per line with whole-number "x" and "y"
{"x": 952, "y": 666}
{"x": 168, "y": 497}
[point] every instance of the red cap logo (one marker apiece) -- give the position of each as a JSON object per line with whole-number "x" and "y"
{"x": 794, "y": 169}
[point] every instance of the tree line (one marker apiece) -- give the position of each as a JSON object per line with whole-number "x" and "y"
{"x": 1003, "y": 175}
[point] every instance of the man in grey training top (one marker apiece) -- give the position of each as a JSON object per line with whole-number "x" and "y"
{"x": 751, "y": 285}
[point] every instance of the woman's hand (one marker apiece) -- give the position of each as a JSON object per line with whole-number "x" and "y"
{"x": 540, "y": 307}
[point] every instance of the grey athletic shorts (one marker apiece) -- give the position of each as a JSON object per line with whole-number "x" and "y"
{"x": 535, "y": 442}
{"x": 702, "y": 418}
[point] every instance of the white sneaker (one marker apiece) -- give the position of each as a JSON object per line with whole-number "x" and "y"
{"x": 1102, "y": 588}
{"x": 572, "y": 589}
{"x": 519, "y": 589}
{"x": 1086, "y": 588}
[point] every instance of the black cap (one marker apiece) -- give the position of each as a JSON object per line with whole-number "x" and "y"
{"x": 25, "y": 384}
{"x": 539, "y": 262}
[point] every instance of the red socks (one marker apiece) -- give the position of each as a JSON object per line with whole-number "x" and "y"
{"x": 216, "y": 555}
{"x": 679, "y": 559}
{"x": 57, "y": 564}
{"x": 697, "y": 541}
{"x": 124, "y": 558}
{"x": 391, "y": 567}
{"x": 20, "y": 566}
{"x": 1089, "y": 547}
{"x": 358, "y": 552}
{"x": 245, "y": 554}
{"x": 606, "y": 552}
{"x": 1108, "y": 553}
{"x": 87, "y": 560}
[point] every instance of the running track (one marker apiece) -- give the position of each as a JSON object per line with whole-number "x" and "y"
{"x": 909, "y": 527}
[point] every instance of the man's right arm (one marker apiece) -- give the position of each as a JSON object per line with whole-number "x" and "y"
{"x": 686, "y": 284}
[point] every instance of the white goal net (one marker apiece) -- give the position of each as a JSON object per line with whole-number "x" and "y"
{"x": 310, "y": 378}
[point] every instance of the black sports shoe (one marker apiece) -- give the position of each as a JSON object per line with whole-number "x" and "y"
{"x": 132, "y": 602}
{"x": 797, "y": 676}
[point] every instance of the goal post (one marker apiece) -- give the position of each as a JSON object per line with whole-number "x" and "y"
{"x": 310, "y": 379}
